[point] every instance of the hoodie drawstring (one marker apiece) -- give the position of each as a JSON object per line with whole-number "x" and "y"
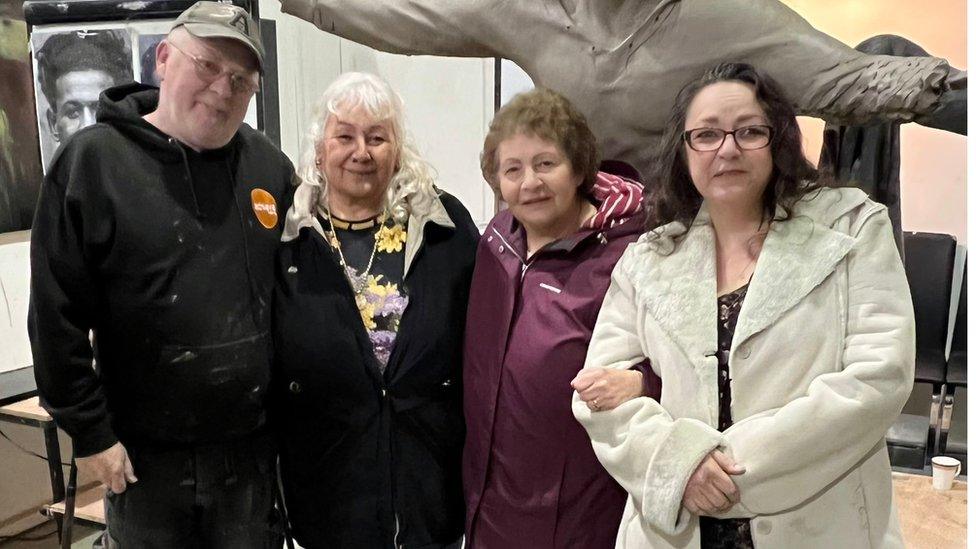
{"x": 255, "y": 294}
{"x": 189, "y": 176}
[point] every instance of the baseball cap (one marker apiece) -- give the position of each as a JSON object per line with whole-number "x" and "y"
{"x": 207, "y": 19}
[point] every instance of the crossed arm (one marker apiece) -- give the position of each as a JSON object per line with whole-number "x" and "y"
{"x": 843, "y": 415}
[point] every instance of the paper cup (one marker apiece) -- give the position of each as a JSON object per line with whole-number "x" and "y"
{"x": 944, "y": 471}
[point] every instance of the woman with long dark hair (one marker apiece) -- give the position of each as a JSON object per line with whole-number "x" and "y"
{"x": 776, "y": 311}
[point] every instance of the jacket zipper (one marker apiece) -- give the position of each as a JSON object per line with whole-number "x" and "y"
{"x": 525, "y": 265}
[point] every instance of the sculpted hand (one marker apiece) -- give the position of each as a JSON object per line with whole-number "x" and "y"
{"x": 607, "y": 388}
{"x": 112, "y": 467}
{"x": 710, "y": 489}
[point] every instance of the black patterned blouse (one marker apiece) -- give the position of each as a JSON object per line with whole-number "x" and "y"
{"x": 728, "y": 533}
{"x": 374, "y": 251}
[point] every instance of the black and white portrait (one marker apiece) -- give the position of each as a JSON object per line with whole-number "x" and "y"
{"x": 72, "y": 67}
{"x": 147, "y": 58}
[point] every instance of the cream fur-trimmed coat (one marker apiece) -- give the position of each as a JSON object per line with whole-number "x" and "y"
{"x": 822, "y": 361}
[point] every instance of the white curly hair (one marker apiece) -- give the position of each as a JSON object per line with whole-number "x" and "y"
{"x": 412, "y": 185}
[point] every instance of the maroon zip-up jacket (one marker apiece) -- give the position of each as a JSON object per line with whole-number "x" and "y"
{"x": 531, "y": 478}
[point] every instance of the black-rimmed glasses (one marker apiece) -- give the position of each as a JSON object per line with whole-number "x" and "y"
{"x": 747, "y": 138}
{"x": 209, "y": 71}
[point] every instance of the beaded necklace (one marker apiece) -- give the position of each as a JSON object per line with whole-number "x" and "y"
{"x": 357, "y": 281}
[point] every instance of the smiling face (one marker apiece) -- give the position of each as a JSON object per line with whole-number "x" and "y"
{"x": 539, "y": 184}
{"x": 729, "y": 176}
{"x": 200, "y": 113}
{"x": 358, "y": 156}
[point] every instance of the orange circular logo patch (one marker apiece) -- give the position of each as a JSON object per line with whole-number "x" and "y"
{"x": 264, "y": 208}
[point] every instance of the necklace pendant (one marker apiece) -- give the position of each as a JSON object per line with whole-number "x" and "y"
{"x": 356, "y": 280}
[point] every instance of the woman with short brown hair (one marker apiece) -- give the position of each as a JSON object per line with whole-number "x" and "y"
{"x": 542, "y": 267}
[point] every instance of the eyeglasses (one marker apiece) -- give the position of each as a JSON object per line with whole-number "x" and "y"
{"x": 711, "y": 139}
{"x": 209, "y": 71}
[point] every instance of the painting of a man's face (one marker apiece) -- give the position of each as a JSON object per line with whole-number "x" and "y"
{"x": 76, "y": 98}
{"x": 74, "y": 66}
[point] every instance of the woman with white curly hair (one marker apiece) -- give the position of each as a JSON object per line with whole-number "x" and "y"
{"x": 373, "y": 281}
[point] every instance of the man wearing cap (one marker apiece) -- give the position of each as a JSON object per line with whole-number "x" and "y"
{"x": 151, "y": 259}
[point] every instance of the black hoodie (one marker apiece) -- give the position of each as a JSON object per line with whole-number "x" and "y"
{"x": 162, "y": 253}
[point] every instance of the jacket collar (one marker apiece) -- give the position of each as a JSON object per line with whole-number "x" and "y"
{"x": 674, "y": 273}
{"x": 306, "y": 206}
{"x": 796, "y": 257}
{"x": 506, "y": 227}
{"x": 421, "y": 214}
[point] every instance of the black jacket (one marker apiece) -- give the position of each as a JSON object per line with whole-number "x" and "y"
{"x": 158, "y": 251}
{"x": 368, "y": 459}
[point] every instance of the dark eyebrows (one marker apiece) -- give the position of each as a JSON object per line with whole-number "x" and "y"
{"x": 73, "y": 103}
{"x": 739, "y": 119}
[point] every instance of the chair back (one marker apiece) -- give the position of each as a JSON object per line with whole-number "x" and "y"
{"x": 956, "y": 374}
{"x": 959, "y": 331}
{"x": 929, "y": 261}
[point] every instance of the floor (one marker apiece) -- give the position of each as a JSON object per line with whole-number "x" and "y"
{"x": 916, "y": 502}
{"x": 929, "y": 519}
{"x": 45, "y": 536}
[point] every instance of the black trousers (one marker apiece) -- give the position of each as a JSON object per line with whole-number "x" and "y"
{"x": 213, "y": 496}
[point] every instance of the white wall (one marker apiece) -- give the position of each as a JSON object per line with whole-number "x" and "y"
{"x": 14, "y": 277}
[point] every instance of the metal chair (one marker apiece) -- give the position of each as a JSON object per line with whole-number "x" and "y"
{"x": 955, "y": 377}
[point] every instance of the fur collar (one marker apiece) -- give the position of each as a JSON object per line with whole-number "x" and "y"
{"x": 673, "y": 270}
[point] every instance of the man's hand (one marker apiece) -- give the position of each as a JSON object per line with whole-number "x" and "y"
{"x": 607, "y": 388}
{"x": 112, "y": 467}
{"x": 710, "y": 489}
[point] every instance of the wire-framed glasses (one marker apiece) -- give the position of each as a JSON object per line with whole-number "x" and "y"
{"x": 209, "y": 71}
{"x": 747, "y": 137}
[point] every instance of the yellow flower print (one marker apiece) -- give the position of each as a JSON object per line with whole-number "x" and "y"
{"x": 391, "y": 239}
{"x": 366, "y": 310}
{"x": 374, "y": 287}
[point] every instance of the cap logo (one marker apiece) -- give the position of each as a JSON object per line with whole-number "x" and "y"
{"x": 240, "y": 22}
{"x": 265, "y": 208}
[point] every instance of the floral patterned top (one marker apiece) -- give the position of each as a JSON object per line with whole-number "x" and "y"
{"x": 729, "y": 533}
{"x": 380, "y": 294}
